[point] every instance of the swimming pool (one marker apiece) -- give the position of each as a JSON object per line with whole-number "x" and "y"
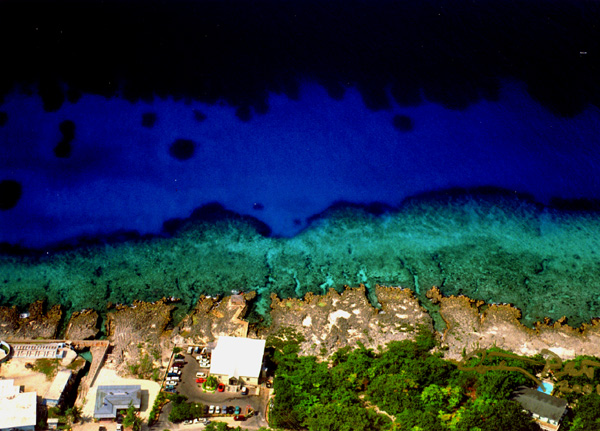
{"x": 546, "y": 387}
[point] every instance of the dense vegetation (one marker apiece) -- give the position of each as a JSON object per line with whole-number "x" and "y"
{"x": 182, "y": 410}
{"x": 586, "y": 416}
{"x": 401, "y": 387}
{"x": 405, "y": 386}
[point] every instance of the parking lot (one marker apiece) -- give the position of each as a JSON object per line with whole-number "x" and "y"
{"x": 188, "y": 387}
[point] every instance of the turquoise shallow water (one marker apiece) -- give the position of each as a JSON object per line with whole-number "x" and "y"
{"x": 499, "y": 249}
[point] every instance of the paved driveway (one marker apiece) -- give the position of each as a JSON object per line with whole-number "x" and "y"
{"x": 194, "y": 393}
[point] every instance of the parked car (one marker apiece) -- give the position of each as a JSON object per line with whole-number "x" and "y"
{"x": 237, "y": 410}
{"x": 200, "y": 380}
{"x": 244, "y": 390}
{"x": 211, "y": 410}
{"x": 119, "y": 427}
{"x": 206, "y": 421}
{"x": 269, "y": 384}
{"x": 190, "y": 350}
{"x": 230, "y": 410}
{"x": 200, "y": 374}
{"x": 239, "y": 418}
{"x": 221, "y": 387}
{"x": 217, "y": 410}
{"x": 187, "y": 422}
{"x": 205, "y": 408}
{"x": 224, "y": 410}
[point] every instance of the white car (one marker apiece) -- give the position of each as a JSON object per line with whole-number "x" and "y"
{"x": 217, "y": 410}
{"x": 200, "y": 374}
{"x": 211, "y": 410}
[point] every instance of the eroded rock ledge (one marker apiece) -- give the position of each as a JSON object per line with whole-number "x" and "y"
{"x": 36, "y": 323}
{"x": 139, "y": 330}
{"x": 326, "y": 322}
{"x": 334, "y": 320}
{"x": 473, "y": 324}
{"x": 83, "y": 325}
{"x": 212, "y": 317}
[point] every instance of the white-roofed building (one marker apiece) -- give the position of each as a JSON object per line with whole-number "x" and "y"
{"x": 18, "y": 410}
{"x": 238, "y": 359}
{"x": 54, "y": 395}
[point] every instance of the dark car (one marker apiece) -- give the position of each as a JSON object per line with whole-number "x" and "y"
{"x": 230, "y": 410}
{"x": 239, "y": 418}
{"x": 205, "y": 409}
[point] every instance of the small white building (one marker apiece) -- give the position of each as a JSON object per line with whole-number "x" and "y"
{"x": 237, "y": 360}
{"x": 18, "y": 410}
{"x": 53, "y": 396}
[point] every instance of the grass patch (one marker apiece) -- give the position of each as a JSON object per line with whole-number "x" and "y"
{"x": 48, "y": 367}
{"x": 76, "y": 364}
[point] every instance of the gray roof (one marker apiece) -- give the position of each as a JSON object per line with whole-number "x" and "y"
{"x": 540, "y": 403}
{"x": 109, "y": 399}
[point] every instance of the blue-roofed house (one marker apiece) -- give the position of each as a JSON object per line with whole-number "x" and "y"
{"x": 110, "y": 399}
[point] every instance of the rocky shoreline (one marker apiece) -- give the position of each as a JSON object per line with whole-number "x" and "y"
{"x": 324, "y": 323}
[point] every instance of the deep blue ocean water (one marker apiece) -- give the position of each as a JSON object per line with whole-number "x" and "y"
{"x": 282, "y": 167}
{"x": 320, "y": 123}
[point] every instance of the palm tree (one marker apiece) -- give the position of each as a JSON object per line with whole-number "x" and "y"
{"x": 73, "y": 414}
